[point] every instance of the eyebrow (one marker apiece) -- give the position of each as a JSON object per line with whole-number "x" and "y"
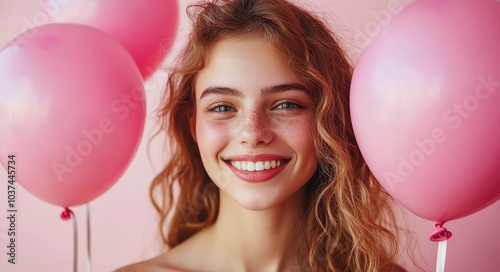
{"x": 263, "y": 91}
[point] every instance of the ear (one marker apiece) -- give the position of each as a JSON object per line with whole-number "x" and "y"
{"x": 192, "y": 125}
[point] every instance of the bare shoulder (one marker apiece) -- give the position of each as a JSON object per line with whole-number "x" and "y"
{"x": 179, "y": 259}
{"x": 157, "y": 264}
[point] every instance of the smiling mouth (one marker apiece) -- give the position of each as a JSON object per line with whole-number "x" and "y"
{"x": 256, "y": 166}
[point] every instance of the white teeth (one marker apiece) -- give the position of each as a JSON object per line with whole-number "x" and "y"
{"x": 273, "y": 164}
{"x": 267, "y": 165}
{"x": 255, "y": 166}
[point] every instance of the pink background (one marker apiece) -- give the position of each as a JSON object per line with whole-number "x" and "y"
{"x": 124, "y": 228}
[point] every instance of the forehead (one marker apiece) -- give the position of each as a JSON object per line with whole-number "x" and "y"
{"x": 246, "y": 63}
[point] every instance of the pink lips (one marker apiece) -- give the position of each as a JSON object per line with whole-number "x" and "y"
{"x": 257, "y": 176}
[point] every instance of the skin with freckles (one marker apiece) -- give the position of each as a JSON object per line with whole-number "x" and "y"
{"x": 253, "y": 120}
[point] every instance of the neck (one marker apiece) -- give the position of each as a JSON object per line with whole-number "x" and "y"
{"x": 258, "y": 240}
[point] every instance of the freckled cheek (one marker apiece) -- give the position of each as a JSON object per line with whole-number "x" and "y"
{"x": 212, "y": 137}
{"x": 298, "y": 134}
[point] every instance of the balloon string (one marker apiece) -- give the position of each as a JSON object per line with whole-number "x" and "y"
{"x": 441, "y": 257}
{"x": 66, "y": 215}
{"x": 89, "y": 255}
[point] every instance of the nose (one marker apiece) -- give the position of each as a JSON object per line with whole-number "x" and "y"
{"x": 255, "y": 129}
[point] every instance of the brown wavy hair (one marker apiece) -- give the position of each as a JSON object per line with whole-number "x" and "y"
{"x": 348, "y": 221}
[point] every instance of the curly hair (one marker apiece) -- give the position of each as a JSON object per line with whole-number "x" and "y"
{"x": 348, "y": 221}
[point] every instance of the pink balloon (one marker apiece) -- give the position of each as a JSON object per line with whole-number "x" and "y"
{"x": 425, "y": 105}
{"x": 145, "y": 27}
{"x": 72, "y": 110}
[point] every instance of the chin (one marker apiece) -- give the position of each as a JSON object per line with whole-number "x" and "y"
{"x": 261, "y": 200}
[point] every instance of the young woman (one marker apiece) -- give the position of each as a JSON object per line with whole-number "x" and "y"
{"x": 263, "y": 151}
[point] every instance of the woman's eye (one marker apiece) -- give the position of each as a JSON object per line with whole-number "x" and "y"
{"x": 287, "y": 106}
{"x": 221, "y": 108}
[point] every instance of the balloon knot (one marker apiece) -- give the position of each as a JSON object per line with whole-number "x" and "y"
{"x": 66, "y": 214}
{"x": 440, "y": 233}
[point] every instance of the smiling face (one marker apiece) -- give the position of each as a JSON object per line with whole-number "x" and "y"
{"x": 253, "y": 123}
